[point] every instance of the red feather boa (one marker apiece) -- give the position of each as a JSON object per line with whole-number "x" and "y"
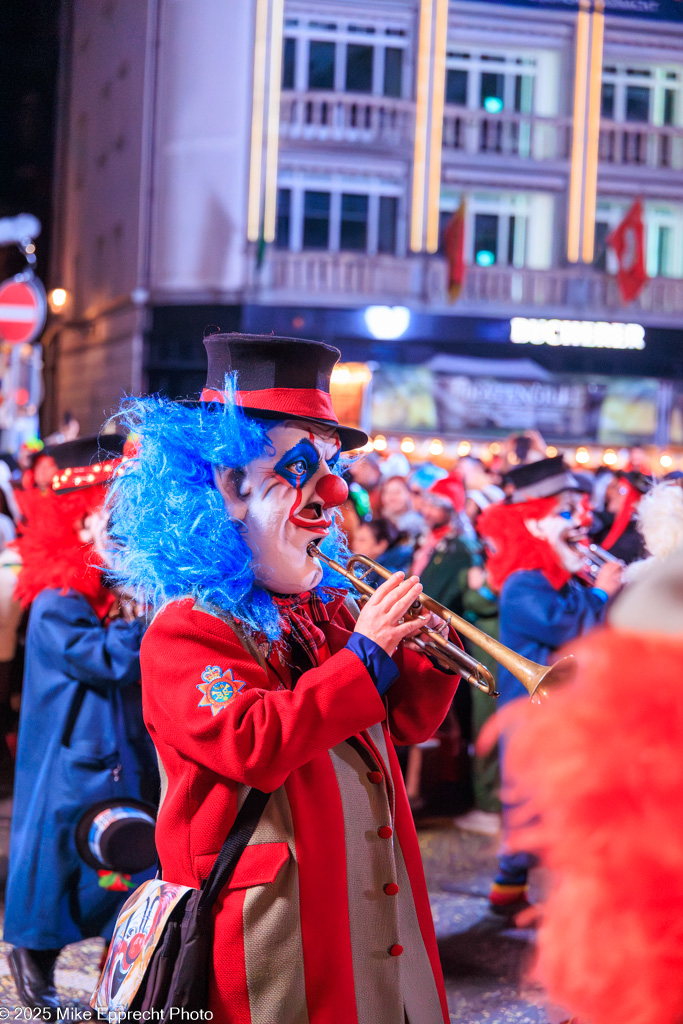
{"x": 601, "y": 768}
{"x": 512, "y": 547}
{"x": 51, "y": 551}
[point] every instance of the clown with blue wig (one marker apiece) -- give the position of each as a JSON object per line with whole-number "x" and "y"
{"x": 258, "y": 674}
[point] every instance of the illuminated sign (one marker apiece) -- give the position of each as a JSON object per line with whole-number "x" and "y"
{"x": 661, "y": 10}
{"x": 576, "y": 333}
{"x": 387, "y": 322}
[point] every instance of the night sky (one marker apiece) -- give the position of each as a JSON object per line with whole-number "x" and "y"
{"x": 29, "y": 45}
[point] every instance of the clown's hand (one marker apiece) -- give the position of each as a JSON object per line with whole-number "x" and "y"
{"x": 609, "y": 578}
{"x": 429, "y": 621}
{"x": 379, "y": 619}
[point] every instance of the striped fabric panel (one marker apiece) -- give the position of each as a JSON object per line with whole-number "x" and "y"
{"x": 273, "y": 950}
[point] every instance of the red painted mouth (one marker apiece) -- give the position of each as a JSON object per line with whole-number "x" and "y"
{"x": 312, "y": 518}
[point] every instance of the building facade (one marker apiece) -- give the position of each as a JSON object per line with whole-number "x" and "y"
{"x": 293, "y": 165}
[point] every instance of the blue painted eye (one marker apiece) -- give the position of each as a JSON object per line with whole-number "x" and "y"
{"x": 298, "y": 468}
{"x": 299, "y": 464}
{"x": 331, "y": 463}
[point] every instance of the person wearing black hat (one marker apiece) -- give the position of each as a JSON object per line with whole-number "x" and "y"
{"x": 615, "y": 528}
{"x": 531, "y": 565}
{"x": 256, "y": 674}
{"x": 82, "y": 746}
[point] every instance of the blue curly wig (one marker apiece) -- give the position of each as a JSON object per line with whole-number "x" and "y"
{"x": 172, "y": 535}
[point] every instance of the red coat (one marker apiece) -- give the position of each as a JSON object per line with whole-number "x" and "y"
{"x": 311, "y": 927}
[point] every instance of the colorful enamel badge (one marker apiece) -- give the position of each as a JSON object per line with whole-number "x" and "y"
{"x": 218, "y": 688}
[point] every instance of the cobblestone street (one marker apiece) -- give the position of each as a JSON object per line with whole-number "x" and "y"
{"x": 484, "y": 966}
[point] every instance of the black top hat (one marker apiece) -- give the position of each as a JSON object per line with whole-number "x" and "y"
{"x": 86, "y": 461}
{"x": 637, "y": 479}
{"x": 541, "y": 479}
{"x": 277, "y": 378}
{"x": 117, "y": 835}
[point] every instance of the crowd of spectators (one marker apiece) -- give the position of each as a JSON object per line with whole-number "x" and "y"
{"x": 423, "y": 519}
{"x": 420, "y": 519}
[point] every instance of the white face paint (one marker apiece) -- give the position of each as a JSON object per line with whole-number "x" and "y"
{"x": 284, "y": 501}
{"x": 92, "y": 529}
{"x": 567, "y": 522}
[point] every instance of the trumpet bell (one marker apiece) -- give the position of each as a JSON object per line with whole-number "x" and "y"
{"x": 554, "y": 677}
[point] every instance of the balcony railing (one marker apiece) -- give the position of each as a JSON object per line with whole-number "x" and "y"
{"x": 343, "y": 277}
{"x": 564, "y": 291}
{"x": 322, "y": 116}
{"x": 641, "y": 145}
{"x": 527, "y": 136}
{"x": 530, "y": 137}
{"x": 346, "y": 117}
{"x": 351, "y": 279}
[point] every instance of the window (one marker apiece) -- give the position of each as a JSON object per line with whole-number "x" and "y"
{"x": 288, "y": 59}
{"x": 358, "y": 58}
{"x": 485, "y": 239}
{"x": 524, "y": 90}
{"x": 284, "y": 202}
{"x": 637, "y": 103}
{"x": 386, "y": 234}
{"x": 607, "y": 101}
{"x": 492, "y": 92}
{"x": 664, "y": 250}
{"x": 669, "y": 106}
{"x": 497, "y": 226}
{"x": 602, "y": 230}
{"x": 354, "y": 223}
{"x": 320, "y": 65}
{"x": 490, "y": 82}
{"x": 359, "y": 68}
{"x": 316, "y": 220}
{"x": 444, "y": 221}
{"x": 456, "y": 86}
{"x": 360, "y": 222}
{"x": 663, "y": 236}
{"x": 511, "y": 241}
{"x": 393, "y": 71}
{"x": 640, "y": 95}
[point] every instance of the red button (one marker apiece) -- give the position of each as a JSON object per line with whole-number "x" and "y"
{"x": 385, "y": 832}
{"x": 375, "y": 777}
{"x": 396, "y": 950}
{"x": 391, "y": 888}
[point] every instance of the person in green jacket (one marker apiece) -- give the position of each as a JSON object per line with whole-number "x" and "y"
{"x": 442, "y": 553}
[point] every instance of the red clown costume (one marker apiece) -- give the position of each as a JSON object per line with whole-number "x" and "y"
{"x": 326, "y": 918}
{"x": 601, "y": 771}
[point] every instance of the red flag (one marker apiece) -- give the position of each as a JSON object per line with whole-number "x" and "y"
{"x": 454, "y": 247}
{"x": 628, "y": 242}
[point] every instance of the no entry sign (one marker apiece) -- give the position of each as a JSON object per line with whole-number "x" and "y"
{"x": 22, "y": 309}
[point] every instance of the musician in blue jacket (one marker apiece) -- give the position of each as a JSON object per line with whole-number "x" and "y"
{"x": 81, "y": 735}
{"x": 532, "y": 564}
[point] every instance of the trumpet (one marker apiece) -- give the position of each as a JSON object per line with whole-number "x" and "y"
{"x": 537, "y": 680}
{"x": 594, "y": 557}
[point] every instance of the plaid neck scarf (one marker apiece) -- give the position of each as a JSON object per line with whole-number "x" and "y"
{"x": 300, "y": 614}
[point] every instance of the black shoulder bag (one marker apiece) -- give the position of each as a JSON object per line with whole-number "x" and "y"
{"x": 160, "y": 953}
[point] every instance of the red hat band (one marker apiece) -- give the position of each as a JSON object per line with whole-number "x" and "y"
{"x": 308, "y": 403}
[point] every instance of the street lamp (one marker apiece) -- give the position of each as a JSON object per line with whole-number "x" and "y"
{"x": 58, "y": 298}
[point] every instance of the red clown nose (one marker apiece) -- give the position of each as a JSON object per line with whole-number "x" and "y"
{"x": 333, "y": 490}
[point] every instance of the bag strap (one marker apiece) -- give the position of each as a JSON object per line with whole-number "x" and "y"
{"x": 238, "y": 839}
